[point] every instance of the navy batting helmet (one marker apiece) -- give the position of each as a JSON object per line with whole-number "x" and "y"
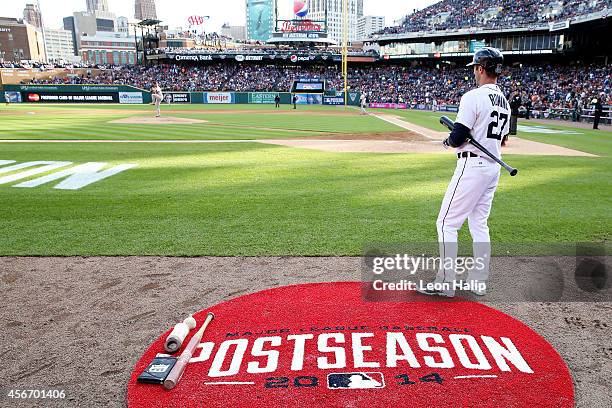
{"x": 491, "y": 59}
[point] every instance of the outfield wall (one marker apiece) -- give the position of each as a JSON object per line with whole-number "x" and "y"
{"x": 75, "y": 94}
{"x": 130, "y": 95}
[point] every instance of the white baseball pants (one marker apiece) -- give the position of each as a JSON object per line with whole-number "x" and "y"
{"x": 468, "y": 196}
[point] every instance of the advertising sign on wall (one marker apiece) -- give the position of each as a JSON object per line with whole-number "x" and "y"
{"x": 219, "y": 97}
{"x": 309, "y": 99}
{"x": 12, "y": 97}
{"x": 333, "y": 100}
{"x": 388, "y": 105}
{"x": 262, "y": 97}
{"x": 130, "y": 97}
{"x": 177, "y": 97}
{"x": 68, "y": 97}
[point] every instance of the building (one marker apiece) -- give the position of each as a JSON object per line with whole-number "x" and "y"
{"x": 32, "y": 15}
{"x": 70, "y": 25}
{"x": 334, "y": 17}
{"x": 105, "y": 21}
{"x": 20, "y": 41}
{"x": 368, "y": 25}
{"x": 123, "y": 24}
{"x": 60, "y": 45}
{"x": 97, "y": 5}
{"x": 237, "y": 33}
{"x": 83, "y": 23}
{"x": 90, "y": 23}
{"x": 108, "y": 49}
{"x": 177, "y": 42}
{"x": 260, "y": 19}
{"x": 145, "y": 9}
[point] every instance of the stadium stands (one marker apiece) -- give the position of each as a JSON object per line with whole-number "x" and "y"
{"x": 545, "y": 87}
{"x": 490, "y": 14}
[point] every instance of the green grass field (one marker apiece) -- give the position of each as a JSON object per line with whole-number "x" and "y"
{"x": 87, "y": 122}
{"x": 257, "y": 199}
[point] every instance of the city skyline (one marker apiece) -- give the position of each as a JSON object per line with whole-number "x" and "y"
{"x": 176, "y": 12}
{"x": 145, "y": 10}
{"x": 97, "y": 5}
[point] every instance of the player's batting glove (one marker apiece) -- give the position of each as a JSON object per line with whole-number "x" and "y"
{"x": 446, "y": 144}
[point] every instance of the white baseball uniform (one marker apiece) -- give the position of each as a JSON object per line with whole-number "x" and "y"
{"x": 157, "y": 97}
{"x": 362, "y": 103}
{"x": 486, "y": 112}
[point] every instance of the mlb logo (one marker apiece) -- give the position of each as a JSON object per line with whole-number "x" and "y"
{"x": 355, "y": 381}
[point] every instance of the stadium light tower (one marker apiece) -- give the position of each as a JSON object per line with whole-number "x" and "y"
{"x": 345, "y": 38}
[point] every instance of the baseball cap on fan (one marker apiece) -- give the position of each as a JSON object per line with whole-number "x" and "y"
{"x": 491, "y": 59}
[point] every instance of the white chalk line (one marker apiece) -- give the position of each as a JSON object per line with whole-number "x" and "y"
{"x": 124, "y": 141}
{"x": 402, "y": 124}
{"x": 475, "y": 376}
{"x": 229, "y": 383}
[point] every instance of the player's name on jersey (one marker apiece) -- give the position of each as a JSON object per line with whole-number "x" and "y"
{"x": 499, "y": 100}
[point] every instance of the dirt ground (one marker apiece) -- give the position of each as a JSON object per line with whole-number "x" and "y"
{"x": 397, "y": 136}
{"x": 416, "y": 144}
{"x": 151, "y": 120}
{"x": 80, "y": 324}
{"x": 416, "y": 139}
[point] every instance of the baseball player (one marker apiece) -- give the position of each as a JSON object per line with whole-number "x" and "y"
{"x": 158, "y": 97}
{"x": 362, "y": 104}
{"x": 484, "y": 115}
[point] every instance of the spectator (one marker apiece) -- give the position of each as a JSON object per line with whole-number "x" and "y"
{"x": 546, "y": 89}
{"x": 493, "y": 14}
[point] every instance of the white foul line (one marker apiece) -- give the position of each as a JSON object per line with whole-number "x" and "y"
{"x": 229, "y": 383}
{"x": 475, "y": 376}
{"x": 402, "y": 124}
{"x": 125, "y": 141}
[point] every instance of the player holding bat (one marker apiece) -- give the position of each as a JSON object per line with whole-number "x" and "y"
{"x": 483, "y": 116}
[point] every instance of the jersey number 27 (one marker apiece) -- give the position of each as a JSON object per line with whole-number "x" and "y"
{"x": 496, "y": 131}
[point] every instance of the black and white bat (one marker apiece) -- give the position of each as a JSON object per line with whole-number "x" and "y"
{"x": 446, "y": 121}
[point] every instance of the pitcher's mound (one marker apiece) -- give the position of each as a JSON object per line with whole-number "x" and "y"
{"x": 151, "y": 120}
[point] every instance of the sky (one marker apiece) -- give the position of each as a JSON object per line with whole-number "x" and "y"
{"x": 175, "y": 12}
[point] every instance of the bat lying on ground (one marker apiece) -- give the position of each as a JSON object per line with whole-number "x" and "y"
{"x": 446, "y": 121}
{"x": 177, "y": 371}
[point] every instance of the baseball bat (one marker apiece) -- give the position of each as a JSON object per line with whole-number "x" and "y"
{"x": 179, "y": 368}
{"x": 446, "y": 121}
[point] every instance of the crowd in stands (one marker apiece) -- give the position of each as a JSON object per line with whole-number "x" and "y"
{"x": 269, "y": 50}
{"x": 542, "y": 87}
{"x": 44, "y": 65}
{"x": 493, "y": 14}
